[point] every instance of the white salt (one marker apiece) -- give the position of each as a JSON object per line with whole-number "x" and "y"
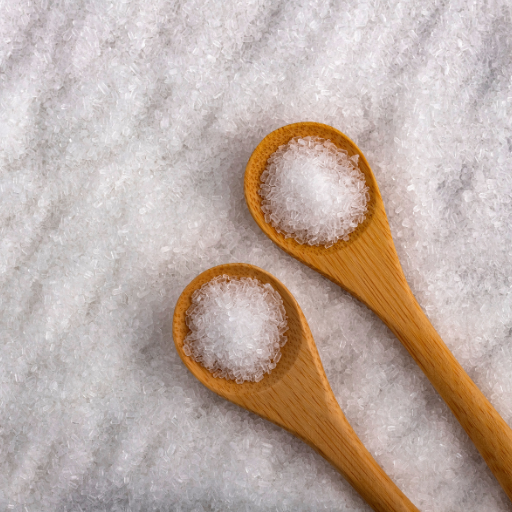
{"x": 237, "y": 328}
{"x": 313, "y": 191}
{"x": 98, "y": 411}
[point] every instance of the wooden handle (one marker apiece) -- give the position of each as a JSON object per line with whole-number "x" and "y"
{"x": 336, "y": 441}
{"x": 371, "y": 271}
{"x": 486, "y": 428}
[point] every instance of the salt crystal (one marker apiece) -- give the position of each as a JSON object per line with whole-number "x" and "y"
{"x": 312, "y": 191}
{"x": 236, "y": 328}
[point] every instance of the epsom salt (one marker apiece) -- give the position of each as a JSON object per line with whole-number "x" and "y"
{"x": 237, "y": 328}
{"x": 312, "y": 191}
{"x": 125, "y": 127}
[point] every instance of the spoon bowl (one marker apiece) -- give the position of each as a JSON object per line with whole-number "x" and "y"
{"x": 296, "y": 322}
{"x": 367, "y": 266}
{"x": 296, "y": 395}
{"x": 258, "y": 162}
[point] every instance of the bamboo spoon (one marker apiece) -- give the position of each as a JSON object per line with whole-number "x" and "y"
{"x": 367, "y": 266}
{"x": 296, "y": 395}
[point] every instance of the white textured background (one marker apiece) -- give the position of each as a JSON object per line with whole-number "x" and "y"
{"x": 125, "y": 128}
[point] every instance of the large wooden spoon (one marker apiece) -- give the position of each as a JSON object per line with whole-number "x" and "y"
{"x": 296, "y": 395}
{"x": 367, "y": 266}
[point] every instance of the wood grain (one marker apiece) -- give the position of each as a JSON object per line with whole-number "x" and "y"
{"x": 367, "y": 266}
{"x": 296, "y": 395}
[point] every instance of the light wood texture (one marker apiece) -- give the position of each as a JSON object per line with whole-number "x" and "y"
{"x": 367, "y": 266}
{"x": 296, "y": 395}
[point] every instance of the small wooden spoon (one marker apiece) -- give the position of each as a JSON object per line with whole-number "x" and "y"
{"x": 367, "y": 266}
{"x": 296, "y": 395}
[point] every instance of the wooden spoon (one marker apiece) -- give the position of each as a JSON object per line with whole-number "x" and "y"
{"x": 296, "y": 395}
{"x": 367, "y": 266}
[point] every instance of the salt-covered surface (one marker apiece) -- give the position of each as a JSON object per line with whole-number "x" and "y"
{"x": 125, "y": 130}
{"x": 312, "y": 191}
{"x": 236, "y": 328}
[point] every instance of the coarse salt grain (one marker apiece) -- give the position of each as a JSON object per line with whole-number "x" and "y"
{"x": 313, "y": 191}
{"x": 237, "y": 328}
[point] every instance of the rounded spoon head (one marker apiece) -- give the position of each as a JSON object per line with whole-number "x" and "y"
{"x": 258, "y": 162}
{"x": 299, "y": 337}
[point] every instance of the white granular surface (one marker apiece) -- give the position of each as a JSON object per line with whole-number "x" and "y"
{"x": 237, "y": 328}
{"x": 125, "y": 129}
{"x": 312, "y": 191}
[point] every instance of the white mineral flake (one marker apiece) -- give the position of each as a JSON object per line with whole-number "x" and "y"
{"x": 110, "y": 108}
{"x": 313, "y": 191}
{"x": 237, "y": 328}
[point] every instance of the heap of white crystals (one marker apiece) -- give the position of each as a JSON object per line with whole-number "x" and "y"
{"x": 312, "y": 191}
{"x": 125, "y": 129}
{"x": 237, "y": 328}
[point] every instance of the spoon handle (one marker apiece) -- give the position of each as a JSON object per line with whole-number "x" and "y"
{"x": 486, "y": 428}
{"x": 336, "y": 441}
{"x": 373, "y": 274}
{"x": 303, "y": 403}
